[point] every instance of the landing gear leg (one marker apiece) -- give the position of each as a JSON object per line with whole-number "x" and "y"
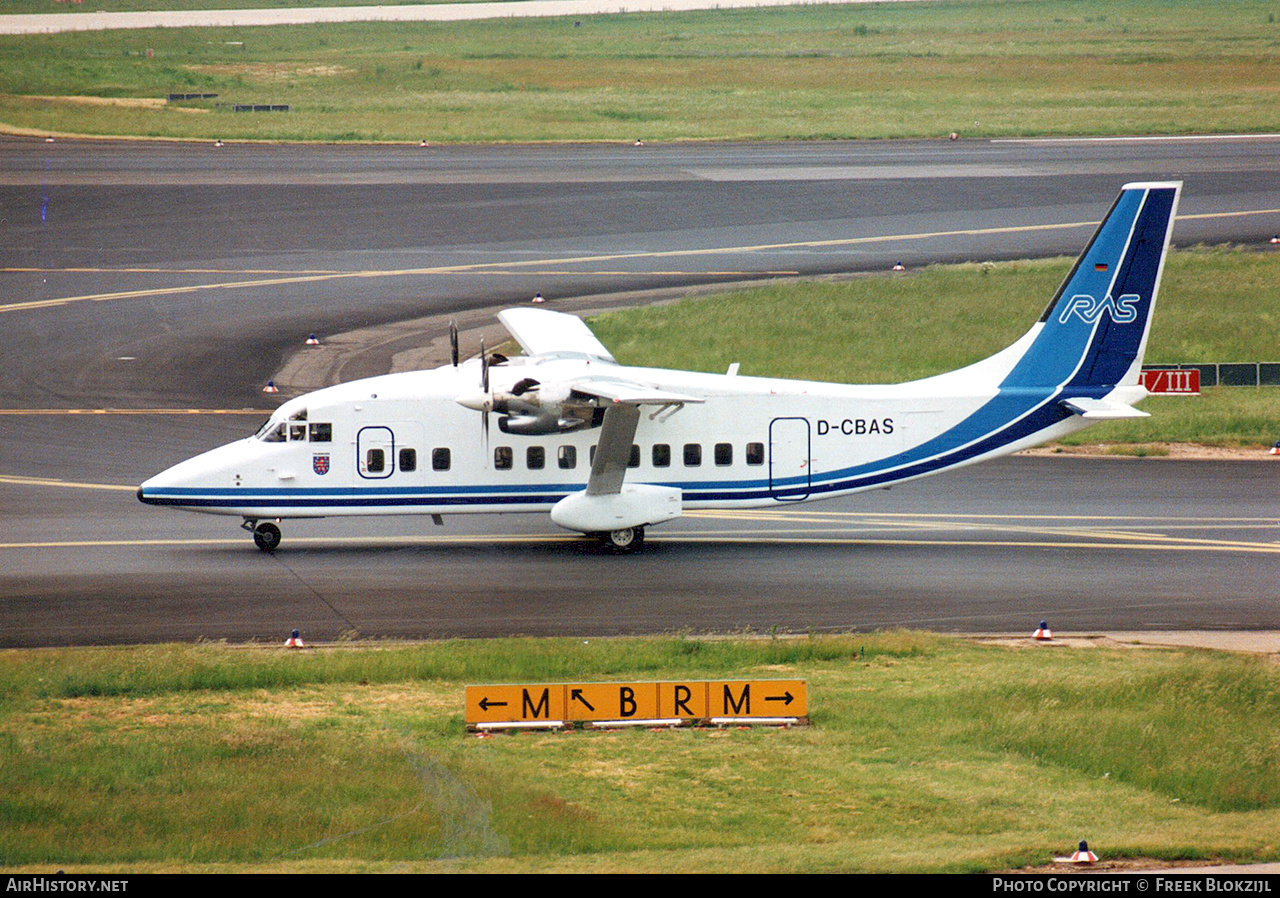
{"x": 628, "y": 539}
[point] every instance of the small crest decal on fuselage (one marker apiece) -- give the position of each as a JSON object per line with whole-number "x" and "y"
{"x": 320, "y": 463}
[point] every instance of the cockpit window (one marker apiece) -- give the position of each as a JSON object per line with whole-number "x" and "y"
{"x": 299, "y": 415}
{"x": 298, "y": 432}
{"x": 274, "y": 434}
{"x": 321, "y": 433}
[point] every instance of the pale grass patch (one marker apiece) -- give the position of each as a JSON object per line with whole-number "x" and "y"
{"x": 269, "y": 71}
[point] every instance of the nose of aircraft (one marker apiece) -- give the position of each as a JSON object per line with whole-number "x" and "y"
{"x": 195, "y": 476}
{"x": 149, "y": 489}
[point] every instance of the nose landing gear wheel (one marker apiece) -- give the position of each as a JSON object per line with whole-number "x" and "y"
{"x": 266, "y": 537}
{"x": 627, "y": 539}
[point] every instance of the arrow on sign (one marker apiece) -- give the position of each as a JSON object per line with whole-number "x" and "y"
{"x": 577, "y": 694}
{"x": 785, "y": 698}
{"x": 485, "y": 704}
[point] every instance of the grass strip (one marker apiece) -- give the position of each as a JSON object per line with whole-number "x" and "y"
{"x": 979, "y": 67}
{"x": 926, "y": 753}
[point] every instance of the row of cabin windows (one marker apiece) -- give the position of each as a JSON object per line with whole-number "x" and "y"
{"x": 566, "y": 457}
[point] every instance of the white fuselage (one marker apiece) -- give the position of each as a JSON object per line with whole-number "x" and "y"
{"x": 401, "y": 444}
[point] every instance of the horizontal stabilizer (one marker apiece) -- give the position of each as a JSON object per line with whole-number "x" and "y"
{"x": 1101, "y": 408}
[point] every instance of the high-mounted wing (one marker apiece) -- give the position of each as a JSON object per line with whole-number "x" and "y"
{"x": 623, "y": 391}
{"x": 541, "y": 332}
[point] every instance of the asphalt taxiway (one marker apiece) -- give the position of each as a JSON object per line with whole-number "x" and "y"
{"x": 148, "y": 291}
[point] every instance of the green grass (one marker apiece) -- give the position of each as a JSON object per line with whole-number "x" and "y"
{"x": 1216, "y": 305}
{"x": 979, "y": 67}
{"x": 926, "y": 753}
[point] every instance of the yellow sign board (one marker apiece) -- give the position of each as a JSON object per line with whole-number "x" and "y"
{"x": 758, "y": 698}
{"x": 613, "y": 701}
{"x": 521, "y": 704}
{"x": 687, "y": 701}
{"x": 684, "y": 701}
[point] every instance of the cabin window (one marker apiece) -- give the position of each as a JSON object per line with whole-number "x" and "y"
{"x": 321, "y": 433}
{"x": 755, "y": 453}
{"x": 536, "y": 458}
{"x": 440, "y": 459}
{"x": 375, "y": 461}
{"x": 298, "y": 432}
{"x": 692, "y": 455}
{"x": 567, "y": 457}
{"x": 661, "y": 455}
{"x": 634, "y": 460}
{"x": 408, "y": 459}
{"x": 503, "y": 458}
{"x": 724, "y": 454}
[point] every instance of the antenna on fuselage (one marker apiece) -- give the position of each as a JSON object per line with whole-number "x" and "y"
{"x": 453, "y": 343}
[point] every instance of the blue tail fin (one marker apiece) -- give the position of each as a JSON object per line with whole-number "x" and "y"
{"x": 1094, "y": 332}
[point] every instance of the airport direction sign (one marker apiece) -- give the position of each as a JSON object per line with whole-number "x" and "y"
{"x": 687, "y": 701}
{"x": 669, "y": 702}
{"x": 1171, "y": 381}
{"x": 613, "y": 701}
{"x": 543, "y": 704}
{"x": 758, "y": 698}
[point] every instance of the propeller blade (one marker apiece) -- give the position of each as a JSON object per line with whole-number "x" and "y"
{"x": 484, "y": 388}
{"x": 453, "y": 343}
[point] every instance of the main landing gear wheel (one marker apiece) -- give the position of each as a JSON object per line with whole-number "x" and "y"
{"x": 628, "y": 539}
{"x": 266, "y": 536}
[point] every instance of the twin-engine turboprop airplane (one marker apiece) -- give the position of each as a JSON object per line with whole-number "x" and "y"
{"x": 610, "y": 449}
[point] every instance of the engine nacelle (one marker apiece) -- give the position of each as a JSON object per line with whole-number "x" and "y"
{"x": 538, "y": 425}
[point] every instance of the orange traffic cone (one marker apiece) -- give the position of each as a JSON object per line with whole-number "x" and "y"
{"x": 1043, "y": 632}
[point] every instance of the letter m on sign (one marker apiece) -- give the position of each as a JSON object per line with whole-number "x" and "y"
{"x": 530, "y": 710}
{"x": 740, "y": 705}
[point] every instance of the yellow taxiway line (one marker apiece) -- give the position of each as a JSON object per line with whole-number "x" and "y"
{"x": 135, "y": 411}
{"x": 670, "y": 537}
{"x": 64, "y": 484}
{"x": 523, "y": 265}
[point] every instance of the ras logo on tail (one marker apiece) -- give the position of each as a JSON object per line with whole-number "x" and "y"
{"x": 1123, "y": 310}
